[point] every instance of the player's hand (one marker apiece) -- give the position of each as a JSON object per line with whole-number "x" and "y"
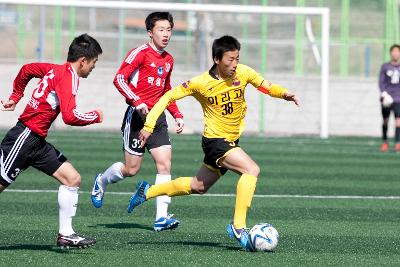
{"x": 8, "y": 106}
{"x": 101, "y": 114}
{"x": 179, "y": 125}
{"x": 143, "y": 137}
{"x": 143, "y": 110}
{"x": 291, "y": 97}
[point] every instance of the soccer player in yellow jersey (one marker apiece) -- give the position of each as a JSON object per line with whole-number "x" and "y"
{"x": 220, "y": 92}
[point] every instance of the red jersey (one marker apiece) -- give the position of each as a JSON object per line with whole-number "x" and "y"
{"x": 54, "y": 93}
{"x": 144, "y": 77}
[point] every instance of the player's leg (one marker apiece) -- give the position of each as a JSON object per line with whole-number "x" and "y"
{"x": 385, "y": 121}
{"x": 181, "y": 186}
{"x": 396, "y": 109}
{"x": 133, "y": 153}
{"x": 53, "y": 163}
{"x": 162, "y": 159}
{"x": 2, "y": 187}
{"x": 70, "y": 181}
{"x": 238, "y": 160}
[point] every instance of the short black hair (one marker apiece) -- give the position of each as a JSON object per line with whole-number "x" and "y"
{"x": 394, "y": 46}
{"x": 83, "y": 46}
{"x": 152, "y": 18}
{"x": 224, "y": 44}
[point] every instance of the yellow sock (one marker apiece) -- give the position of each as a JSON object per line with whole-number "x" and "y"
{"x": 177, "y": 187}
{"x": 244, "y": 194}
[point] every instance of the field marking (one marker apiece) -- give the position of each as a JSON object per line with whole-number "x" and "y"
{"x": 228, "y": 195}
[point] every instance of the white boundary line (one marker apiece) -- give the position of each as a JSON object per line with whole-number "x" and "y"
{"x": 228, "y": 195}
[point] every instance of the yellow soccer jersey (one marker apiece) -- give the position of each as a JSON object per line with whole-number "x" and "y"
{"x": 222, "y": 100}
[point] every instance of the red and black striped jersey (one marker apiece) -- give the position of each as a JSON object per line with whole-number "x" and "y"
{"x": 54, "y": 93}
{"x": 144, "y": 77}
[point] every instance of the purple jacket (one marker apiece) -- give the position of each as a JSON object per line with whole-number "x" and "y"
{"x": 389, "y": 80}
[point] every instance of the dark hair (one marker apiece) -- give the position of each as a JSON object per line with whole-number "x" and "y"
{"x": 394, "y": 46}
{"x": 152, "y": 18}
{"x": 83, "y": 46}
{"x": 224, "y": 44}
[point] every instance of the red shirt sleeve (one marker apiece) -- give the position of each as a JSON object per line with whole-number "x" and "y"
{"x": 26, "y": 73}
{"x": 173, "y": 107}
{"x": 132, "y": 62}
{"x": 66, "y": 91}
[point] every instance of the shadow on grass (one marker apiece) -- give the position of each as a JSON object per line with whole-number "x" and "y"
{"x": 125, "y": 226}
{"x": 189, "y": 244}
{"x": 34, "y": 247}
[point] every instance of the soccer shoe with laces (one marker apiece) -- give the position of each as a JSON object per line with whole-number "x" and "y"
{"x": 97, "y": 192}
{"x": 241, "y": 235}
{"x": 139, "y": 196}
{"x": 165, "y": 223}
{"x": 74, "y": 241}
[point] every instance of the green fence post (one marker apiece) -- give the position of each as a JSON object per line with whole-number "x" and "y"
{"x": 388, "y": 29}
{"x": 21, "y": 34}
{"x": 57, "y": 34}
{"x": 344, "y": 38}
{"x": 298, "y": 56}
{"x": 395, "y": 16}
{"x": 264, "y": 34}
{"x": 71, "y": 23}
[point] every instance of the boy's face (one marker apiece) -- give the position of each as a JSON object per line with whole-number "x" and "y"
{"x": 227, "y": 65}
{"x": 395, "y": 54}
{"x": 86, "y": 66}
{"x": 161, "y": 33}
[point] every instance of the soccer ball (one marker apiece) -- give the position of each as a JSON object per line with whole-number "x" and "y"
{"x": 263, "y": 237}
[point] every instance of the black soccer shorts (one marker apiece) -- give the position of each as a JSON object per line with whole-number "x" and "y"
{"x": 215, "y": 149}
{"x": 395, "y": 107}
{"x": 131, "y": 127}
{"x": 22, "y": 148}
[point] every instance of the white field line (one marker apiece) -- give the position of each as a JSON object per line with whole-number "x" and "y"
{"x": 228, "y": 195}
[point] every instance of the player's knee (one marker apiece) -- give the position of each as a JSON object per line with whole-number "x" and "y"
{"x": 198, "y": 188}
{"x": 132, "y": 170}
{"x": 73, "y": 180}
{"x": 253, "y": 169}
{"x": 163, "y": 167}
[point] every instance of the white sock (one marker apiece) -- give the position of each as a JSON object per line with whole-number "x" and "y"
{"x": 112, "y": 175}
{"x": 67, "y": 203}
{"x": 162, "y": 201}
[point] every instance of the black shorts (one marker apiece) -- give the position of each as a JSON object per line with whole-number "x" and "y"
{"x": 214, "y": 149}
{"x": 131, "y": 127}
{"x": 22, "y": 148}
{"x": 395, "y": 107}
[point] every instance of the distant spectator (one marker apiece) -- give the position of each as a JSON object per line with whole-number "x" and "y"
{"x": 389, "y": 84}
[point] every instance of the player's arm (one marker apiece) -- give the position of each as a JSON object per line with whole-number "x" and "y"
{"x": 25, "y": 74}
{"x": 121, "y": 79}
{"x": 275, "y": 90}
{"x": 173, "y": 107}
{"x": 174, "y": 94}
{"x": 71, "y": 116}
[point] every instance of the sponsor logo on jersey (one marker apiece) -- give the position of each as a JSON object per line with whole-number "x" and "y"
{"x": 153, "y": 65}
{"x": 167, "y": 67}
{"x": 185, "y": 84}
{"x": 160, "y": 71}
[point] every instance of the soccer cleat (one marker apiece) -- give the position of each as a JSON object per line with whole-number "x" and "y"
{"x": 397, "y": 147}
{"x": 165, "y": 223}
{"x": 241, "y": 235}
{"x": 74, "y": 241}
{"x": 139, "y": 196}
{"x": 97, "y": 192}
{"x": 384, "y": 147}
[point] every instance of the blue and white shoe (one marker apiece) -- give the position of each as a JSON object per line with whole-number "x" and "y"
{"x": 139, "y": 196}
{"x": 241, "y": 235}
{"x": 97, "y": 192}
{"x": 166, "y": 223}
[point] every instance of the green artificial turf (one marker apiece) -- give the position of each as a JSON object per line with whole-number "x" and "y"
{"x": 313, "y": 231}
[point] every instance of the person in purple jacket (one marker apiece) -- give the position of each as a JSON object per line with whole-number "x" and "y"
{"x": 389, "y": 84}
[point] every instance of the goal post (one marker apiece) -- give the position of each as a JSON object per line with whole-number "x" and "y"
{"x": 324, "y": 13}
